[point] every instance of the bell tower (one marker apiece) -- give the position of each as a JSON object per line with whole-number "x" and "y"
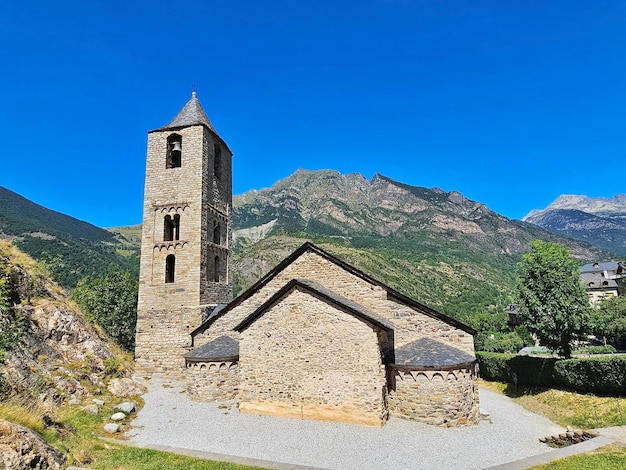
{"x": 185, "y": 266}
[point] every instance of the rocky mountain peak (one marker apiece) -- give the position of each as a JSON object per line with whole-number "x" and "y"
{"x": 600, "y": 221}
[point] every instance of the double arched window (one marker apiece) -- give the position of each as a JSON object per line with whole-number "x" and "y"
{"x": 171, "y": 228}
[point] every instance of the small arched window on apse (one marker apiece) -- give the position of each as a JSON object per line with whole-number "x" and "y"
{"x": 217, "y": 233}
{"x": 217, "y": 161}
{"x": 170, "y": 267}
{"x": 174, "y": 151}
{"x": 171, "y": 228}
{"x": 216, "y": 269}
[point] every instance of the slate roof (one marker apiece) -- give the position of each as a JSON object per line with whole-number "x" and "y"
{"x": 617, "y": 266}
{"x": 223, "y": 348}
{"x": 192, "y": 114}
{"x": 426, "y": 352}
{"x": 322, "y": 292}
{"x": 596, "y": 281}
{"x": 308, "y": 246}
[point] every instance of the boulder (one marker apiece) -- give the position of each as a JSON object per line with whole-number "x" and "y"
{"x": 92, "y": 409}
{"x": 125, "y": 387}
{"x": 112, "y": 428}
{"x": 118, "y": 416}
{"x": 22, "y": 448}
{"x": 98, "y": 402}
{"x": 126, "y": 407}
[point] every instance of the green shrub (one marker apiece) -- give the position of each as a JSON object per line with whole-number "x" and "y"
{"x": 608, "y": 349}
{"x": 597, "y": 374}
{"x": 528, "y": 370}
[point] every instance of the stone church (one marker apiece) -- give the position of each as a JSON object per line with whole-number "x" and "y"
{"x": 315, "y": 338}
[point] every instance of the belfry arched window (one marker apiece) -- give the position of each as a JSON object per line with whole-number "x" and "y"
{"x": 217, "y": 161}
{"x": 170, "y": 267}
{"x": 174, "y": 151}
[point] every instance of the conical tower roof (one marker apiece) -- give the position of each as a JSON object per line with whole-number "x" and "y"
{"x": 192, "y": 114}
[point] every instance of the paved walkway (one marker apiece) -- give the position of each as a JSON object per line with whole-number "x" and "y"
{"x": 170, "y": 421}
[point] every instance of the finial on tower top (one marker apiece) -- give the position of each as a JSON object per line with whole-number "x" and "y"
{"x": 194, "y": 90}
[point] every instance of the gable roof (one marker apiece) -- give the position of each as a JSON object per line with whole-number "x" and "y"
{"x": 427, "y": 352}
{"x": 308, "y": 246}
{"x": 323, "y": 293}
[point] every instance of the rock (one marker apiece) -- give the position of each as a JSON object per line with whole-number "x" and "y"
{"x": 126, "y": 407}
{"x": 50, "y": 398}
{"x": 96, "y": 380}
{"x": 98, "y": 402}
{"x": 22, "y": 448}
{"x": 92, "y": 409}
{"x": 112, "y": 428}
{"x": 73, "y": 401}
{"x": 125, "y": 387}
{"x": 118, "y": 416}
{"x": 70, "y": 386}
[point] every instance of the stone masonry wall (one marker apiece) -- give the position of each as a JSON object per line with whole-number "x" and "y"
{"x": 162, "y": 338}
{"x": 410, "y": 324}
{"x": 212, "y": 381}
{"x": 168, "y": 311}
{"x": 304, "y": 358}
{"x": 439, "y": 397}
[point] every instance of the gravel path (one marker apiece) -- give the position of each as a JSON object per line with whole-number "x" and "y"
{"x": 170, "y": 418}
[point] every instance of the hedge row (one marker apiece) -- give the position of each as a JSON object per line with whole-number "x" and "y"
{"x": 597, "y": 374}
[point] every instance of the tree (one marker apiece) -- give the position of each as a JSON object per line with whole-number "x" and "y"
{"x": 609, "y": 320}
{"x": 553, "y": 303}
{"x": 111, "y": 301}
{"x": 12, "y": 326}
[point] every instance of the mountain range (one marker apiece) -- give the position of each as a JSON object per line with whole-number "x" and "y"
{"x": 439, "y": 247}
{"x": 599, "y": 221}
{"x": 449, "y": 252}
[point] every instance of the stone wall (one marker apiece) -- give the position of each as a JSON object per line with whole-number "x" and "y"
{"x": 167, "y": 312}
{"x": 439, "y": 397}
{"x": 305, "y": 358}
{"x": 409, "y": 323}
{"x": 162, "y": 338}
{"x": 212, "y": 381}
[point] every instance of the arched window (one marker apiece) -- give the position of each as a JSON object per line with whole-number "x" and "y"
{"x": 217, "y": 161}
{"x": 171, "y": 228}
{"x": 217, "y": 233}
{"x": 216, "y": 268}
{"x": 174, "y": 151}
{"x": 170, "y": 266}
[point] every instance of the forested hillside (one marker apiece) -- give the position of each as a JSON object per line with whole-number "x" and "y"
{"x": 70, "y": 248}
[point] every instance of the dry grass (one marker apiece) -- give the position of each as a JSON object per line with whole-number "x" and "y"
{"x": 586, "y": 411}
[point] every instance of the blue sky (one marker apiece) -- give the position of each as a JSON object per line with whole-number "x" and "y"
{"x": 509, "y": 103}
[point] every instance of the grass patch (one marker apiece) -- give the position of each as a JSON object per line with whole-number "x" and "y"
{"x": 584, "y": 411}
{"x": 612, "y": 457}
{"x": 131, "y": 458}
{"x": 79, "y": 435}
